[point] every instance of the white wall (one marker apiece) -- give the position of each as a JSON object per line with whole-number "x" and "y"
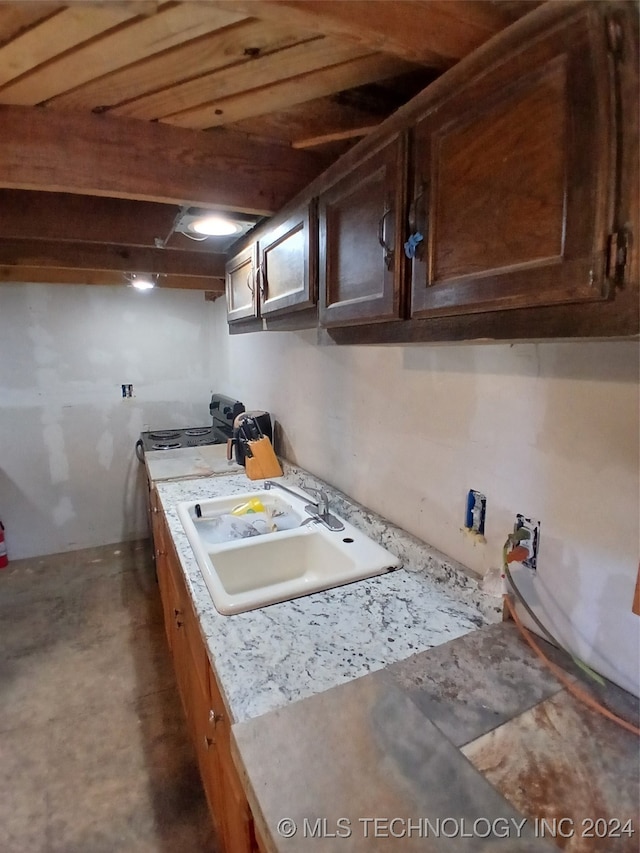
{"x": 549, "y": 430}
{"x": 68, "y": 474}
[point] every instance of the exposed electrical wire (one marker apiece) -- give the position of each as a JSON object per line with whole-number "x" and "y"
{"x": 562, "y": 676}
{"x": 580, "y": 663}
{"x": 197, "y": 239}
{"x": 162, "y": 244}
{"x": 514, "y": 550}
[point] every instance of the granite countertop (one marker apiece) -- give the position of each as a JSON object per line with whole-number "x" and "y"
{"x": 270, "y": 657}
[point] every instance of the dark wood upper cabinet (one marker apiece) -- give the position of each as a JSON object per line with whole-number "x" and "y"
{"x": 514, "y": 179}
{"x": 288, "y": 261}
{"x": 518, "y": 166}
{"x": 361, "y": 216}
{"x": 242, "y": 302}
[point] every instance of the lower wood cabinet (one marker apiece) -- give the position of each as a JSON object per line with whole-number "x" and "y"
{"x": 207, "y": 717}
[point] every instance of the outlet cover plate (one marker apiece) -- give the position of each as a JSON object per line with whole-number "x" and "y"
{"x": 476, "y": 511}
{"x": 532, "y": 544}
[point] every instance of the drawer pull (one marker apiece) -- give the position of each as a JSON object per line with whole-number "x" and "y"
{"x": 215, "y": 718}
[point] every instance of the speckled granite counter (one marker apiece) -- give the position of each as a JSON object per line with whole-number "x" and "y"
{"x": 268, "y": 658}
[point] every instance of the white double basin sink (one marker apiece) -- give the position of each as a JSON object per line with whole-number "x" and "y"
{"x": 299, "y": 557}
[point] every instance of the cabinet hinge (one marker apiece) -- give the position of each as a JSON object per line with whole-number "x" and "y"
{"x": 615, "y": 37}
{"x": 617, "y": 246}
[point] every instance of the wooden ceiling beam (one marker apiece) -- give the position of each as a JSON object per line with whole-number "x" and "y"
{"x": 55, "y": 275}
{"x": 98, "y": 256}
{"x": 434, "y": 33}
{"x": 42, "y": 149}
{"x": 335, "y": 136}
{"x": 88, "y": 219}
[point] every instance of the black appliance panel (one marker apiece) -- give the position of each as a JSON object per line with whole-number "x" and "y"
{"x": 224, "y": 411}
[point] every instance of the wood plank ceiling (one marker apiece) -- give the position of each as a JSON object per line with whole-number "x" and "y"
{"x": 115, "y": 113}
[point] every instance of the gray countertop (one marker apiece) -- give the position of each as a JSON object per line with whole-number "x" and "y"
{"x": 465, "y": 747}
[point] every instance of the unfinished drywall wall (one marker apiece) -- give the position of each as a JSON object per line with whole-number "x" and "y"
{"x": 69, "y": 477}
{"x": 548, "y": 430}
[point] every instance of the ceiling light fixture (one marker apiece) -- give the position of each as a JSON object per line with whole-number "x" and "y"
{"x": 202, "y": 224}
{"x": 142, "y": 281}
{"x": 214, "y": 226}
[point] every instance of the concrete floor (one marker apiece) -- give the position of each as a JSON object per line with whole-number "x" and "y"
{"x": 94, "y": 752}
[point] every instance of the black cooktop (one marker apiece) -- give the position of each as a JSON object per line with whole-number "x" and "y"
{"x": 223, "y": 412}
{"x": 169, "y": 439}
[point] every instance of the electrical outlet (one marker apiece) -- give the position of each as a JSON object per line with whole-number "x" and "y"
{"x": 476, "y": 511}
{"x": 127, "y": 390}
{"x": 532, "y": 544}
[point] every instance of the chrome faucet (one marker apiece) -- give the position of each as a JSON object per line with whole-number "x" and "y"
{"x": 318, "y": 511}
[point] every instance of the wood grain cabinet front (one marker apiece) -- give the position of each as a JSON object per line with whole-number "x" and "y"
{"x": 287, "y": 268}
{"x": 208, "y": 721}
{"x": 514, "y": 179}
{"x": 242, "y": 298}
{"x": 275, "y": 277}
{"x": 522, "y": 207}
{"x": 362, "y": 265}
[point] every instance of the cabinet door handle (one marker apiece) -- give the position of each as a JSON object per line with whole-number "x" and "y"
{"x": 262, "y": 279}
{"x": 417, "y": 230}
{"x": 382, "y": 239}
{"x": 250, "y": 281}
{"x": 208, "y": 741}
{"x": 413, "y": 221}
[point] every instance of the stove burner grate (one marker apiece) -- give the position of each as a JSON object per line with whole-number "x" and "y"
{"x": 198, "y": 431}
{"x": 167, "y": 445}
{"x": 165, "y": 435}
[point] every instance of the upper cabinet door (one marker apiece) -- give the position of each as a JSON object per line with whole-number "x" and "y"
{"x": 288, "y": 266}
{"x": 514, "y": 178}
{"x": 362, "y": 265}
{"x": 241, "y": 285}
